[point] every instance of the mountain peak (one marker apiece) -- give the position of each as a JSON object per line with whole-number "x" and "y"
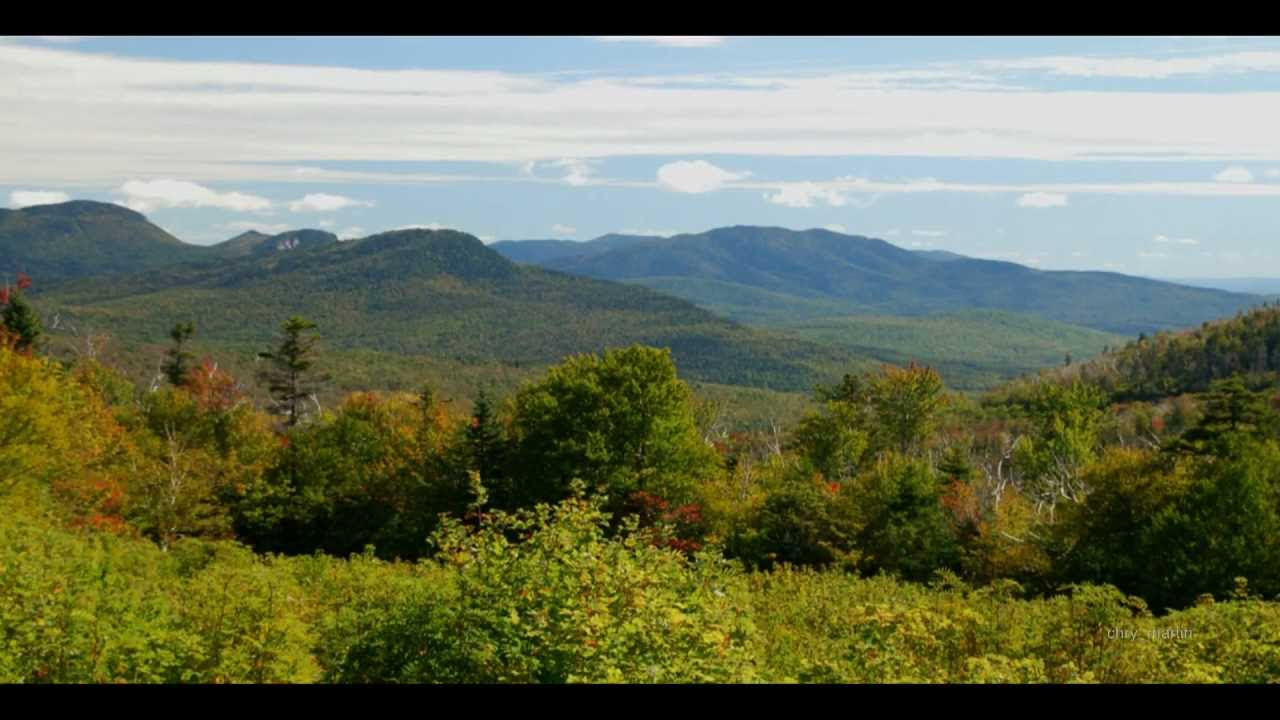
{"x": 73, "y": 208}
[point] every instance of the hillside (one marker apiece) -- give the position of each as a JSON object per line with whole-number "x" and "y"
{"x": 83, "y": 238}
{"x": 1168, "y": 364}
{"x": 972, "y": 349}
{"x": 441, "y": 294}
{"x": 771, "y": 275}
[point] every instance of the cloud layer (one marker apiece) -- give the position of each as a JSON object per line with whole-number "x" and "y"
{"x": 324, "y": 202}
{"x": 27, "y": 198}
{"x": 147, "y": 195}
{"x": 78, "y": 117}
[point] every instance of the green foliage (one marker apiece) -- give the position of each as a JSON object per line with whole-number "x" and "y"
{"x": 1229, "y": 412}
{"x": 377, "y": 472}
{"x": 901, "y": 525}
{"x": 564, "y": 604}
{"x": 620, "y": 422}
{"x": 1062, "y": 438}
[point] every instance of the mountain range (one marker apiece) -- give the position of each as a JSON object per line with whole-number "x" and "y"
{"x": 742, "y": 306}
{"x": 424, "y": 293}
{"x": 775, "y": 276}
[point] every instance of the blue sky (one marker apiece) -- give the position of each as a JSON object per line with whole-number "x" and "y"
{"x": 1154, "y": 156}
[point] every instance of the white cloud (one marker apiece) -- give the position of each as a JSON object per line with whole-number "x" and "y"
{"x": 1153, "y": 255}
{"x": 576, "y": 172}
{"x": 1164, "y": 239}
{"x": 325, "y": 223}
{"x": 324, "y": 202}
{"x": 895, "y": 232}
{"x": 1273, "y": 172}
{"x": 1042, "y": 200}
{"x": 688, "y": 41}
{"x": 563, "y": 229}
{"x": 697, "y": 176}
{"x": 351, "y": 233}
{"x": 1144, "y": 68}
{"x": 1234, "y": 174}
{"x": 147, "y": 195}
{"x": 27, "y": 198}
{"x": 837, "y": 228}
{"x": 929, "y": 233}
{"x": 806, "y": 194}
{"x": 428, "y": 226}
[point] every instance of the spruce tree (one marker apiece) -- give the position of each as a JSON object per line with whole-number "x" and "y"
{"x": 289, "y": 378}
{"x": 486, "y": 442}
{"x": 17, "y": 316}
{"x": 178, "y": 364}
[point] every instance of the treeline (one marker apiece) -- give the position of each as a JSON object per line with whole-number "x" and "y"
{"x": 1168, "y": 364}
{"x": 601, "y": 525}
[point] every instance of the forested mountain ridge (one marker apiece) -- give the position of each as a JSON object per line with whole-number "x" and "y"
{"x": 82, "y": 238}
{"x": 773, "y": 275}
{"x": 433, "y": 293}
{"x": 1167, "y": 364}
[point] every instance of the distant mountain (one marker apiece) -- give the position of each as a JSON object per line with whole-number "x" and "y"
{"x": 1255, "y": 285}
{"x": 538, "y": 252}
{"x": 776, "y": 276}
{"x": 441, "y": 294}
{"x": 256, "y": 243}
{"x": 83, "y": 238}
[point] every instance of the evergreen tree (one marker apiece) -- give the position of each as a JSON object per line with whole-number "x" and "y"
{"x": 178, "y": 365}
{"x": 955, "y": 465}
{"x": 17, "y": 316}
{"x": 1230, "y": 409}
{"x": 485, "y": 441}
{"x": 289, "y": 377}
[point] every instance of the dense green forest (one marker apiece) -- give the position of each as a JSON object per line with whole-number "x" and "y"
{"x": 602, "y": 522}
{"x": 762, "y": 275}
{"x": 441, "y": 294}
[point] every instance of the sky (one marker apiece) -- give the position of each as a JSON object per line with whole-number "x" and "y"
{"x": 1154, "y": 156}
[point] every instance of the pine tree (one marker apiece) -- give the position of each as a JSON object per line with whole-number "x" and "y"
{"x": 178, "y": 365}
{"x": 289, "y": 378}
{"x": 17, "y": 317}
